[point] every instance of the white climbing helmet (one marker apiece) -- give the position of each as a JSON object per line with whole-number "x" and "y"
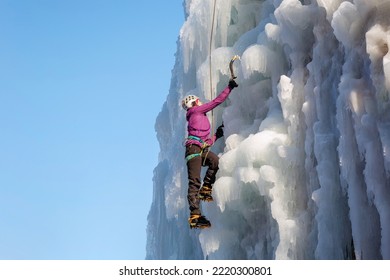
{"x": 187, "y": 101}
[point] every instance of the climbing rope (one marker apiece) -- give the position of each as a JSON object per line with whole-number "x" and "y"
{"x": 210, "y": 49}
{"x": 232, "y": 76}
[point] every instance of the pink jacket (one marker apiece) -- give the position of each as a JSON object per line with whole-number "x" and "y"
{"x": 198, "y": 122}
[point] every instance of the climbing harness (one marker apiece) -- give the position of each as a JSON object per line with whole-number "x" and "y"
{"x": 189, "y": 157}
{"x": 202, "y": 148}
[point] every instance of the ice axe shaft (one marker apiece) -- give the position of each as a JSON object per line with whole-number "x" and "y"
{"x": 232, "y": 76}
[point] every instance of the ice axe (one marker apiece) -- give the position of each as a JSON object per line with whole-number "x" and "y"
{"x": 232, "y": 76}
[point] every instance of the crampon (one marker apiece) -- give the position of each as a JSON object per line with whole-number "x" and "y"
{"x": 205, "y": 194}
{"x": 198, "y": 221}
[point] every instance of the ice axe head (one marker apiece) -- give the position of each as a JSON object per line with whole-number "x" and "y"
{"x": 232, "y": 76}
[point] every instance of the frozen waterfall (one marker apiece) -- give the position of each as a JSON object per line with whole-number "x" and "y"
{"x": 305, "y": 161}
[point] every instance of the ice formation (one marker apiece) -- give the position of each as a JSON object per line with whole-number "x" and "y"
{"x": 305, "y": 161}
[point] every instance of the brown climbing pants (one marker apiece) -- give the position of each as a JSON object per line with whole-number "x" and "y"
{"x": 194, "y": 166}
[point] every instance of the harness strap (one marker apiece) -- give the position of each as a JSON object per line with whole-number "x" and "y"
{"x": 189, "y": 157}
{"x": 204, "y": 145}
{"x": 191, "y": 137}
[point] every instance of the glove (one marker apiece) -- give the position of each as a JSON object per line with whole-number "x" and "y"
{"x": 232, "y": 84}
{"x": 219, "y": 132}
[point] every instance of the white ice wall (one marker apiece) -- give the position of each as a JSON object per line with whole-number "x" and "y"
{"x": 304, "y": 165}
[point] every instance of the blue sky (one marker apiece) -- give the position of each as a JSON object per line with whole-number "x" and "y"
{"x": 81, "y": 84}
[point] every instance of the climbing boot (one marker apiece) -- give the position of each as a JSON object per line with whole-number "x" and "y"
{"x": 198, "y": 221}
{"x": 205, "y": 194}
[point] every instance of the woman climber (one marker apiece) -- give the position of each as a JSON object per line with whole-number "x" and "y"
{"x": 198, "y": 152}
